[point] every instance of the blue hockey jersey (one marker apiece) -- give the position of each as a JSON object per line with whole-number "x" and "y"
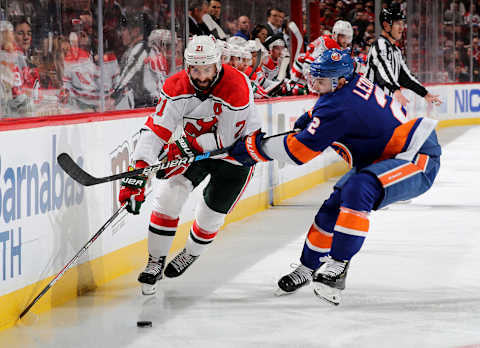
{"x": 361, "y": 124}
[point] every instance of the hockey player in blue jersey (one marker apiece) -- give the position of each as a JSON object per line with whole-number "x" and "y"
{"x": 392, "y": 158}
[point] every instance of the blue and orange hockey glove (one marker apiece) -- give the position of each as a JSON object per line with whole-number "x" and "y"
{"x": 303, "y": 121}
{"x": 248, "y": 151}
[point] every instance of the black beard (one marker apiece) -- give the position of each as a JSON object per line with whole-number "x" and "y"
{"x": 195, "y": 83}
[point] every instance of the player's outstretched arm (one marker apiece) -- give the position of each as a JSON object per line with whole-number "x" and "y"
{"x": 433, "y": 99}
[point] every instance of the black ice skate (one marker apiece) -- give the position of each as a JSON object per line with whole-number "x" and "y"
{"x": 329, "y": 280}
{"x": 293, "y": 281}
{"x": 152, "y": 273}
{"x": 179, "y": 264}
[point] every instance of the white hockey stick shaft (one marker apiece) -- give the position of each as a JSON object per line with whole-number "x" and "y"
{"x": 298, "y": 35}
{"x": 212, "y": 25}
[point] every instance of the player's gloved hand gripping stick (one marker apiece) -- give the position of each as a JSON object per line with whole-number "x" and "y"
{"x": 79, "y": 175}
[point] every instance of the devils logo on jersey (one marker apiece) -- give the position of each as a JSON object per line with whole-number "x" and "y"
{"x": 196, "y": 127}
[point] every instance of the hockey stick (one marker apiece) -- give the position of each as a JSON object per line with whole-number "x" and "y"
{"x": 212, "y": 25}
{"x": 282, "y": 70}
{"x": 257, "y": 63}
{"x": 71, "y": 262}
{"x": 78, "y": 174}
{"x": 298, "y": 35}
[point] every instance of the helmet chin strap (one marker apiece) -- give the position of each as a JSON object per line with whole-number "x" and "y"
{"x": 334, "y": 83}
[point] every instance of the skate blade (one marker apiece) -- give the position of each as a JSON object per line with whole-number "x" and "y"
{"x": 408, "y": 201}
{"x": 280, "y": 292}
{"x": 328, "y": 294}
{"x": 148, "y": 289}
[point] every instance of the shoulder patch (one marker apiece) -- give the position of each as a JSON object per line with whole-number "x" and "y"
{"x": 233, "y": 88}
{"x": 178, "y": 84}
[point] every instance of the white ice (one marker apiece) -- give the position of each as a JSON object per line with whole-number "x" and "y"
{"x": 415, "y": 283}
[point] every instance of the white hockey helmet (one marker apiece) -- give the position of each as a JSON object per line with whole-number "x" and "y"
{"x": 159, "y": 38}
{"x": 203, "y": 50}
{"x": 278, "y": 42}
{"x": 6, "y": 26}
{"x": 225, "y": 53}
{"x": 236, "y": 51}
{"x": 237, "y": 41}
{"x": 344, "y": 28}
{"x": 247, "y": 57}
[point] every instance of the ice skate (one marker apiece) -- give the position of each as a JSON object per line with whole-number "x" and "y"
{"x": 179, "y": 264}
{"x": 152, "y": 273}
{"x": 329, "y": 280}
{"x": 293, "y": 281}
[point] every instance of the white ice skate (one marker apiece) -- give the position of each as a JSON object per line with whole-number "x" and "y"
{"x": 329, "y": 281}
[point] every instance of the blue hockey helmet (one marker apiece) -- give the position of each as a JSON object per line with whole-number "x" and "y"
{"x": 333, "y": 64}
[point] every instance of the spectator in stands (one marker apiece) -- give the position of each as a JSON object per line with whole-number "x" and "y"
{"x": 352, "y": 14}
{"x": 23, "y": 40}
{"x": 274, "y": 21}
{"x": 215, "y": 10}
{"x": 328, "y": 18}
{"x": 454, "y": 14}
{"x": 23, "y": 35}
{"x": 196, "y": 10}
{"x": 260, "y": 32}
{"x": 243, "y": 27}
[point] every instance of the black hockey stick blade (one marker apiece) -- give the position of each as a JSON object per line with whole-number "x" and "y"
{"x": 74, "y": 171}
{"x": 79, "y": 175}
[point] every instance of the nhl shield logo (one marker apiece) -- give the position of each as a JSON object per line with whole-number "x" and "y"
{"x": 336, "y": 56}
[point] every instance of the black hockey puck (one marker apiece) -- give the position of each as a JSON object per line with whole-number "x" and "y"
{"x": 144, "y": 323}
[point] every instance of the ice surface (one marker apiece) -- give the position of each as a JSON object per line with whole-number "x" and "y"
{"x": 415, "y": 283}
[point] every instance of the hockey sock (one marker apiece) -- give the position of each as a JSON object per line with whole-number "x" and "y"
{"x": 317, "y": 245}
{"x": 199, "y": 239}
{"x": 350, "y": 232}
{"x": 358, "y": 197}
{"x": 319, "y": 237}
{"x": 162, "y": 230}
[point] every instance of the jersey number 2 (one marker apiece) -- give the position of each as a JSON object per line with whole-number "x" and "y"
{"x": 312, "y": 128}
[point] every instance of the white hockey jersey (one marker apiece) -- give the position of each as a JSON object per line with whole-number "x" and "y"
{"x": 82, "y": 77}
{"x": 227, "y": 113}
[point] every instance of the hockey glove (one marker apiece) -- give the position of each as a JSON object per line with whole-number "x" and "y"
{"x": 184, "y": 148}
{"x": 303, "y": 121}
{"x": 247, "y": 150}
{"x": 133, "y": 190}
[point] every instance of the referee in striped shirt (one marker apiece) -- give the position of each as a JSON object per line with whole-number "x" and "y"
{"x": 385, "y": 64}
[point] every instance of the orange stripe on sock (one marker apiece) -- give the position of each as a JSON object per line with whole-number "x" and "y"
{"x": 353, "y": 220}
{"x": 319, "y": 238}
{"x": 300, "y": 150}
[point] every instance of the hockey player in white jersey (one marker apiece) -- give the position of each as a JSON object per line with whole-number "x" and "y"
{"x": 214, "y": 105}
{"x": 156, "y": 64}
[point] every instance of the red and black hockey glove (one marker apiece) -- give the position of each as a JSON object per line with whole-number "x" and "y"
{"x": 184, "y": 148}
{"x": 133, "y": 190}
{"x": 248, "y": 151}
